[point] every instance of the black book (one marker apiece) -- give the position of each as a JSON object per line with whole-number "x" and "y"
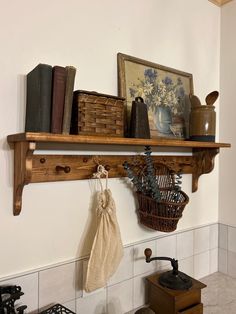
{"x": 39, "y": 99}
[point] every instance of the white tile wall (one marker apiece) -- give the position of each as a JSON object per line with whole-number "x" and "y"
{"x": 120, "y": 297}
{"x": 201, "y": 265}
{"x": 232, "y": 264}
{"x": 214, "y": 260}
{"x": 214, "y": 236}
{"x": 197, "y": 252}
{"x": 185, "y": 244}
{"x": 201, "y": 240}
{"x": 232, "y": 239}
{"x": 57, "y": 285}
{"x": 223, "y": 236}
{"x": 223, "y": 261}
{"x": 140, "y": 288}
{"x": 79, "y": 279}
{"x": 187, "y": 266}
{"x": 227, "y": 250}
{"x": 93, "y": 304}
{"x": 166, "y": 247}
{"x": 140, "y": 266}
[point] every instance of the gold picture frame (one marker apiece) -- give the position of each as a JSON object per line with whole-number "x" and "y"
{"x": 164, "y": 90}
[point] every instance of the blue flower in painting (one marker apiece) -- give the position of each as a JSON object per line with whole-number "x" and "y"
{"x": 180, "y": 92}
{"x": 158, "y": 89}
{"x": 167, "y": 81}
{"x": 150, "y": 75}
{"x": 132, "y": 92}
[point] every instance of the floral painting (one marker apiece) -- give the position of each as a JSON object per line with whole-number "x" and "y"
{"x": 165, "y": 91}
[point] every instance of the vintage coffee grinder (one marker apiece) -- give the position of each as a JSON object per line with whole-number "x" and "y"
{"x": 173, "y": 292}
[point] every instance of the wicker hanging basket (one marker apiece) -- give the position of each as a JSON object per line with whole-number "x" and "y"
{"x": 162, "y": 215}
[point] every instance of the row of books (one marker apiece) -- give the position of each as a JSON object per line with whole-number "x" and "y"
{"x": 49, "y": 99}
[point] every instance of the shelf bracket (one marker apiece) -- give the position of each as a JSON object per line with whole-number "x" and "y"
{"x": 204, "y": 163}
{"x": 23, "y": 152}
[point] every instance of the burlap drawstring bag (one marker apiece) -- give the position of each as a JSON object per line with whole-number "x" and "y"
{"x": 107, "y": 249}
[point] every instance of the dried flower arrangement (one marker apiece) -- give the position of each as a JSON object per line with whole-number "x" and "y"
{"x": 148, "y": 183}
{"x": 145, "y": 184}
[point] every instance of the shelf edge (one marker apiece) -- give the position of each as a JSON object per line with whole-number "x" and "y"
{"x": 99, "y": 140}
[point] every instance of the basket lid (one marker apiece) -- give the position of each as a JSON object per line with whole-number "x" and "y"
{"x": 77, "y": 92}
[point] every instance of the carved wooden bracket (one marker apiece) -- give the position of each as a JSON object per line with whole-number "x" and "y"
{"x": 204, "y": 163}
{"x": 23, "y": 155}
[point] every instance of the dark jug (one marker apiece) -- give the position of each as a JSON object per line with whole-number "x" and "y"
{"x": 139, "y": 124}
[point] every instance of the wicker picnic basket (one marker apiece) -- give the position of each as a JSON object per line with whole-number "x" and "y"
{"x": 165, "y": 214}
{"x": 97, "y": 114}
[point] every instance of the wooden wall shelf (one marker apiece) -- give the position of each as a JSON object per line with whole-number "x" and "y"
{"x": 32, "y": 168}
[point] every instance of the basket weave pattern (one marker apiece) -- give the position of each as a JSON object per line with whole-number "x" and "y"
{"x": 98, "y": 114}
{"x": 164, "y": 215}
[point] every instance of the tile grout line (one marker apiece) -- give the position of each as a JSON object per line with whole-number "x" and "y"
{"x": 133, "y": 276}
{"x": 38, "y": 291}
{"x": 227, "y": 249}
{"x": 76, "y": 276}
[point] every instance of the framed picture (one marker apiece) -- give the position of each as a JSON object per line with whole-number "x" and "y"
{"x": 164, "y": 90}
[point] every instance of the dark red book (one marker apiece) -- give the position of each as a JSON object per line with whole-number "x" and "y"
{"x": 58, "y": 98}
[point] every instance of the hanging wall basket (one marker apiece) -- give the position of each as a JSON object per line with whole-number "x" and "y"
{"x": 161, "y": 201}
{"x": 162, "y": 215}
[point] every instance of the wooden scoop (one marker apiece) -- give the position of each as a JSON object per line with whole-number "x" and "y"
{"x": 211, "y": 98}
{"x": 195, "y": 101}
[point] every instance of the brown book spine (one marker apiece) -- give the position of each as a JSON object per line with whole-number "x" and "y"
{"x": 58, "y": 98}
{"x": 70, "y": 79}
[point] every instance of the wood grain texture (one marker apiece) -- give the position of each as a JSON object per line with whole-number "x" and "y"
{"x": 32, "y": 168}
{"x": 22, "y": 171}
{"x": 204, "y": 163}
{"x": 53, "y": 167}
{"x": 88, "y": 139}
{"x": 163, "y": 300}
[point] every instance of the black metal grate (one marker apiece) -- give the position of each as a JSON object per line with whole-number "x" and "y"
{"x": 57, "y": 308}
{"x": 8, "y": 296}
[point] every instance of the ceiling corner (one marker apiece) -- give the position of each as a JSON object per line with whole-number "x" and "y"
{"x": 220, "y": 2}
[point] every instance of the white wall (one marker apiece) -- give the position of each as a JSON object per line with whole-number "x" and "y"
{"x": 182, "y": 34}
{"x": 227, "y": 204}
